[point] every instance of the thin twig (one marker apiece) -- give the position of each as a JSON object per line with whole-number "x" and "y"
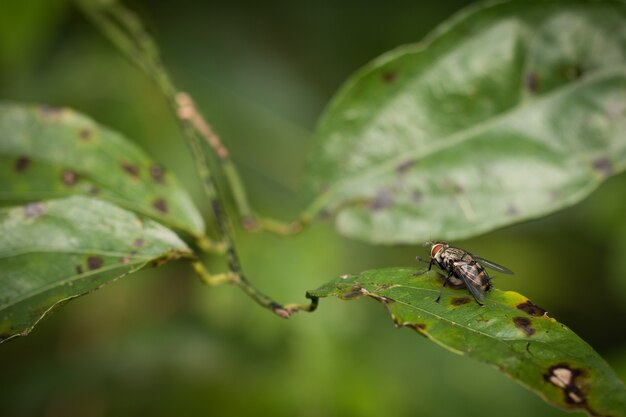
{"x": 125, "y": 30}
{"x": 188, "y": 112}
{"x": 251, "y": 222}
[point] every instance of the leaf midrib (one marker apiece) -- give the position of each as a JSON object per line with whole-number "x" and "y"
{"x": 449, "y": 141}
{"x": 78, "y": 251}
{"x": 503, "y": 341}
{"x": 464, "y": 326}
{"x": 70, "y": 279}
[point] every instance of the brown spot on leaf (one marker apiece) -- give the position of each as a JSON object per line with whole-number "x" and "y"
{"x": 94, "y": 262}
{"x": 566, "y": 378}
{"x": 459, "y": 301}
{"x": 555, "y": 195}
{"x": 138, "y": 243}
{"x": 22, "y": 163}
{"x": 69, "y": 178}
{"x": 531, "y": 82}
{"x": 524, "y": 324}
{"x": 417, "y": 196}
{"x": 531, "y": 309}
{"x": 33, "y": 210}
{"x": 51, "y": 113}
{"x": 382, "y": 200}
{"x": 603, "y": 166}
{"x": 419, "y": 327}
{"x": 79, "y": 269}
{"x": 125, "y": 260}
{"x": 160, "y": 205}
{"x": 157, "y": 173}
{"x": 390, "y": 76}
{"x": 84, "y": 134}
{"x": 458, "y": 189}
{"x": 381, "y": 298}
{"x": 512, "y": 210}
{"x": 93, "y": 190}
{"x": 405, "y": 166}
{"x": 130, "y": 169}
{"x": 355, "y": 292}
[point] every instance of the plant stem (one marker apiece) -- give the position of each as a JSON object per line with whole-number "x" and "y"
{"x": 126, "y": 31}
{"x": 189, "y": 113}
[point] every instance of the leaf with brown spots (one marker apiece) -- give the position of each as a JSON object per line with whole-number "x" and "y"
{"x": 54, "y": 251}
{"x": 509, "y": 111}
{"x": 53, "y": 153}
{"x": 508, "y": 332}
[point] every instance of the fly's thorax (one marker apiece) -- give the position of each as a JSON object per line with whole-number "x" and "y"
{"x": 449, "y": 256}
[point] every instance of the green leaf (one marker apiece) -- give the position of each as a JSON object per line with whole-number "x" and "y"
{"x": 50, "y": 152}
{"x": 507, "y": 112}
{"x": 509, "y": 332}
{"x": 53, "y": 251}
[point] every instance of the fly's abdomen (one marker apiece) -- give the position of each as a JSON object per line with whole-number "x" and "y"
{"x": 485, "y": 281}
{"x": 473, "y": 274}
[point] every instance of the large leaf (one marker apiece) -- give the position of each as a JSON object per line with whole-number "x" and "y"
{"x": 509, "y": 332}
{"x": 50, "y": 152}
{"x": 51, "y": 252}
{"x": 509, "y": 111}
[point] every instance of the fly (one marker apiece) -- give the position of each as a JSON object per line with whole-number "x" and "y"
{"x": 464, "y": 269}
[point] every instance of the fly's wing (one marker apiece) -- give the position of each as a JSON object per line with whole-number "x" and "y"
{"x": 471, "y": 277}
{"x": 492, "y": 265}
{"x": 477, "y": 292}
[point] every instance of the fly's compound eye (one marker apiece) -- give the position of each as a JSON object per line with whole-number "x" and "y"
{"x": 435, "y": 249}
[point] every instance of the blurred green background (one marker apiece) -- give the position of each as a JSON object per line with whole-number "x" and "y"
{"x": 159, "y": 343}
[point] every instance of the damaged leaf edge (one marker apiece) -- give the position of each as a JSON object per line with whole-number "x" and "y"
{"x": 170, "y": 255}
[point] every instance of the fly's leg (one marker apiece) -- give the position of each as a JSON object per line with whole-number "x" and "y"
{"x": 443, "y": 286}
{"x": 418, "y": 259}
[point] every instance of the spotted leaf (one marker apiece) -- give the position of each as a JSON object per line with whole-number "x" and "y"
{"x": 53, "y": 251}
{"x": 509, "y": 332}
{"x": 50, "y": 152}
{"x": 509, "y": 111}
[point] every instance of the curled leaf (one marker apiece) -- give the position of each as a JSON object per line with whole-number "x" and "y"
{"x": 509, "y": 332}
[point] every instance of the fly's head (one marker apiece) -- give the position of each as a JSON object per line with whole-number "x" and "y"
{"x": 436, "y": 250}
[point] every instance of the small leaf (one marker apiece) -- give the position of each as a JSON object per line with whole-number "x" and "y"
{"x": 53, "y": 251}
{"x": 507, "y": 112}
{"x": 509, "y": 332}
{"x": 50, "y": 152}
